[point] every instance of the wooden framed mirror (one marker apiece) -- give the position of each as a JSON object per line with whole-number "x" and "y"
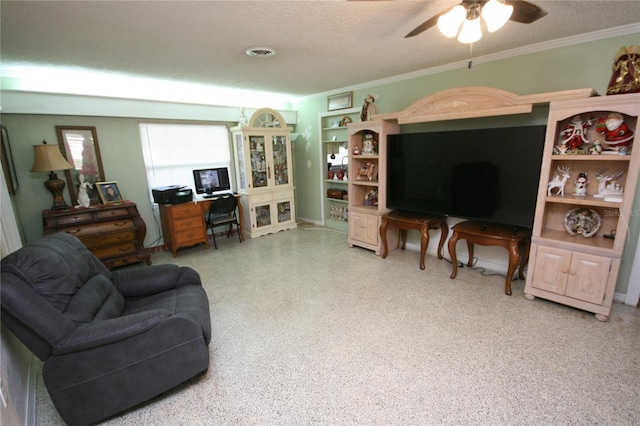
{"x": 79, "y": 145}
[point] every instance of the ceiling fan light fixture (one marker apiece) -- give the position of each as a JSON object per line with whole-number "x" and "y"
{"x": 496, "y": 14}
{"x": 450, "y": 22}
{"x": 471, "y": 31}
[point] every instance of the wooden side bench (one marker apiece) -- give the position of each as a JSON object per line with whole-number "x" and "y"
{"x": 493, "y": 235}
{"x": 406, "y": 221}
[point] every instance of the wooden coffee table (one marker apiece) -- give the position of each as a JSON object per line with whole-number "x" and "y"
{"x": 406, "y": 221}
{"x": 493, "y": 235}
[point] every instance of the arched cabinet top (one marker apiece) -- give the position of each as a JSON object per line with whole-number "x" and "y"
{"x": 476, "y": 101}
{"x": 267, "y": 118}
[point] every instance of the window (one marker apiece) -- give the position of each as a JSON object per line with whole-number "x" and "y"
{"x": 172, "y": 151}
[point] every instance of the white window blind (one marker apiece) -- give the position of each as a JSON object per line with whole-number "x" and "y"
{"x": 172, "y": 151}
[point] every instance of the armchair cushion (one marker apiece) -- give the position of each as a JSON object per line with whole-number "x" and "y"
{"x": 108, "y": 340}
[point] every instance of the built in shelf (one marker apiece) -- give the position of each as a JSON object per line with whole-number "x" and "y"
{"x": 583, "y": 201}
{"x": 337, "y": 200}
{"x": 596, "y": 242}
{"x": 586, "y": 157}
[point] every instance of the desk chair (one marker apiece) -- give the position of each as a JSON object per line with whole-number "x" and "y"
{"x": 223, "y": 212}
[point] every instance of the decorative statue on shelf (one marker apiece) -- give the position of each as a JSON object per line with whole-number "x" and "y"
{"x": 368, "y": 108}
{"x": 367, "y": 171}
{"x": 368, "y": 144}
{"x": 558, "y": 182}
{"x": 83, "y": 193}
{"x": 581, "y": 185}
{"x": 574, "y": 134}
{"x": 371, "y": 198}
{"x": 617, "y": 135}
{"x": 606, "y": 186}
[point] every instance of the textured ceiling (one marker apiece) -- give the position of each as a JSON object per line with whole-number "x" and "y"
{"x": 321, "y": 45}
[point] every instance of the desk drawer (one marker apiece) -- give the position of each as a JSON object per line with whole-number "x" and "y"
{"x": 191, "y": 236}
{"x": 185, "y": 211}
{"x": 188, "y": 223}
{"x": 108, "y": 214}
{"x": 99, "y": 228}
{"x": 72, "y": 219}
{"x": 110, "y": 239}
{"x": 115, "y": 251}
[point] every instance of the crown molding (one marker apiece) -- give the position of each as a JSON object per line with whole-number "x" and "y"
{"x": 512, "y": 53}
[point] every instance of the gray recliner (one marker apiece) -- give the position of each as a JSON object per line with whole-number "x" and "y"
{"x": 109, "y": 340}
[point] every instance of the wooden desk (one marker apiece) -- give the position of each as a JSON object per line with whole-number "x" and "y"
{"x": 185, "y": 224}
{"x": 493, "y": 235}
{"x": 406, "y": 221}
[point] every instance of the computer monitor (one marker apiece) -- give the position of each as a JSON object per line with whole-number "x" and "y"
{"x": 208, "y": 181}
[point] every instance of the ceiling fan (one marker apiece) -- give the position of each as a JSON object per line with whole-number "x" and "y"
{"x": 468, "y": 12}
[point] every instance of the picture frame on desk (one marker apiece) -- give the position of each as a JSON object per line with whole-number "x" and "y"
{"x": 109, "y": 192}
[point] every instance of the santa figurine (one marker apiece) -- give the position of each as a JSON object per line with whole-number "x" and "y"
{"x": 617, "y": 135}
{"x": 574, "y": 134}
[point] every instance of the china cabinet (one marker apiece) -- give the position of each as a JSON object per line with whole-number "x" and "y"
{"x": 264, "y": 173}
{"x": 334, "y": 177}
{"x": 579, "y": 237}
{"x": 367, "y": 181}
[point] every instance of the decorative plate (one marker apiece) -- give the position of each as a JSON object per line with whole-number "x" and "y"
{"x": 582, "y": 222}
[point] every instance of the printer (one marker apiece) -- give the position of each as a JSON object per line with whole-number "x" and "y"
{"x": 172, "y": 194}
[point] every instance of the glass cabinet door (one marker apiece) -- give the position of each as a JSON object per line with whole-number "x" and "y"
{"x": 284, "y": 211}
{"x": 242, "y": 168}
{"x": 280, "y": 160}
{"x": 258, "y": 160}
{"x": 263, "y": 215}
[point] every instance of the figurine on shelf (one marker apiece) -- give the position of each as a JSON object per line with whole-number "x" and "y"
{"x": 371, "y": 199}
{"x": 596, "y": 148}
{"x": 367, "y": 171}
{"x": 558, "y": 182}
{"x": 581, "y": 185}
{"x": 367, "y": 144}
{"x": 617, "y": 135}
{"x": 345, "y": 120}
{"x": 574, "y": 134}
{"x": 356, "y": 150}
{"x": 368, "y": 108}
{"x": 83, "y": 195}
{"x": 606, "y": 186}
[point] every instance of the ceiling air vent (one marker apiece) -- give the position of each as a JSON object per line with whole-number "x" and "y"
{"x": 260, "y": 52}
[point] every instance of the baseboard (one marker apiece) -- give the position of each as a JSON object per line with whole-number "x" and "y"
{"x": 32, "y": 387}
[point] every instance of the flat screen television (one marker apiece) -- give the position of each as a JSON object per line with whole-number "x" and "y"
{"x": 488, "y": 175}
{"x": 208, "y": 181}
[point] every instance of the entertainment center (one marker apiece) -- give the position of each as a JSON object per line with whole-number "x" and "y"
{"x": 574, "y": 269}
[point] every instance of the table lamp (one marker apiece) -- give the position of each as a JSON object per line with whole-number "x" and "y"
{"x": 48, "y": 158}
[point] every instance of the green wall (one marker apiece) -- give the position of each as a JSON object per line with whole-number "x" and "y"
{"x": 578, "y": 66}
{"x": 586, "y": 65}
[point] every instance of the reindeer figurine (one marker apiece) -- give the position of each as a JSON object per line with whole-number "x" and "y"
{"x": 558, "y": 182}
{"x": 605, "y": 185}
{"x": 366, "y": 170}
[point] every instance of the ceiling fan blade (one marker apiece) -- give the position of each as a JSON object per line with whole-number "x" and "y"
{"x": 427, "y": 24}
{"x": 525, "y": 12}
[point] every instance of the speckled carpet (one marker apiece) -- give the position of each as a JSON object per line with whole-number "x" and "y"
{"x": 309, "y": 331}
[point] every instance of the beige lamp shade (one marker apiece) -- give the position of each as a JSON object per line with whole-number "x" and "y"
{"x": 48, "y": 158}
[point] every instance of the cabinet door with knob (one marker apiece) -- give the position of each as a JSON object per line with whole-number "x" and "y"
{"x": 573, "y": 274}
{"x": 588, "y": 180}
